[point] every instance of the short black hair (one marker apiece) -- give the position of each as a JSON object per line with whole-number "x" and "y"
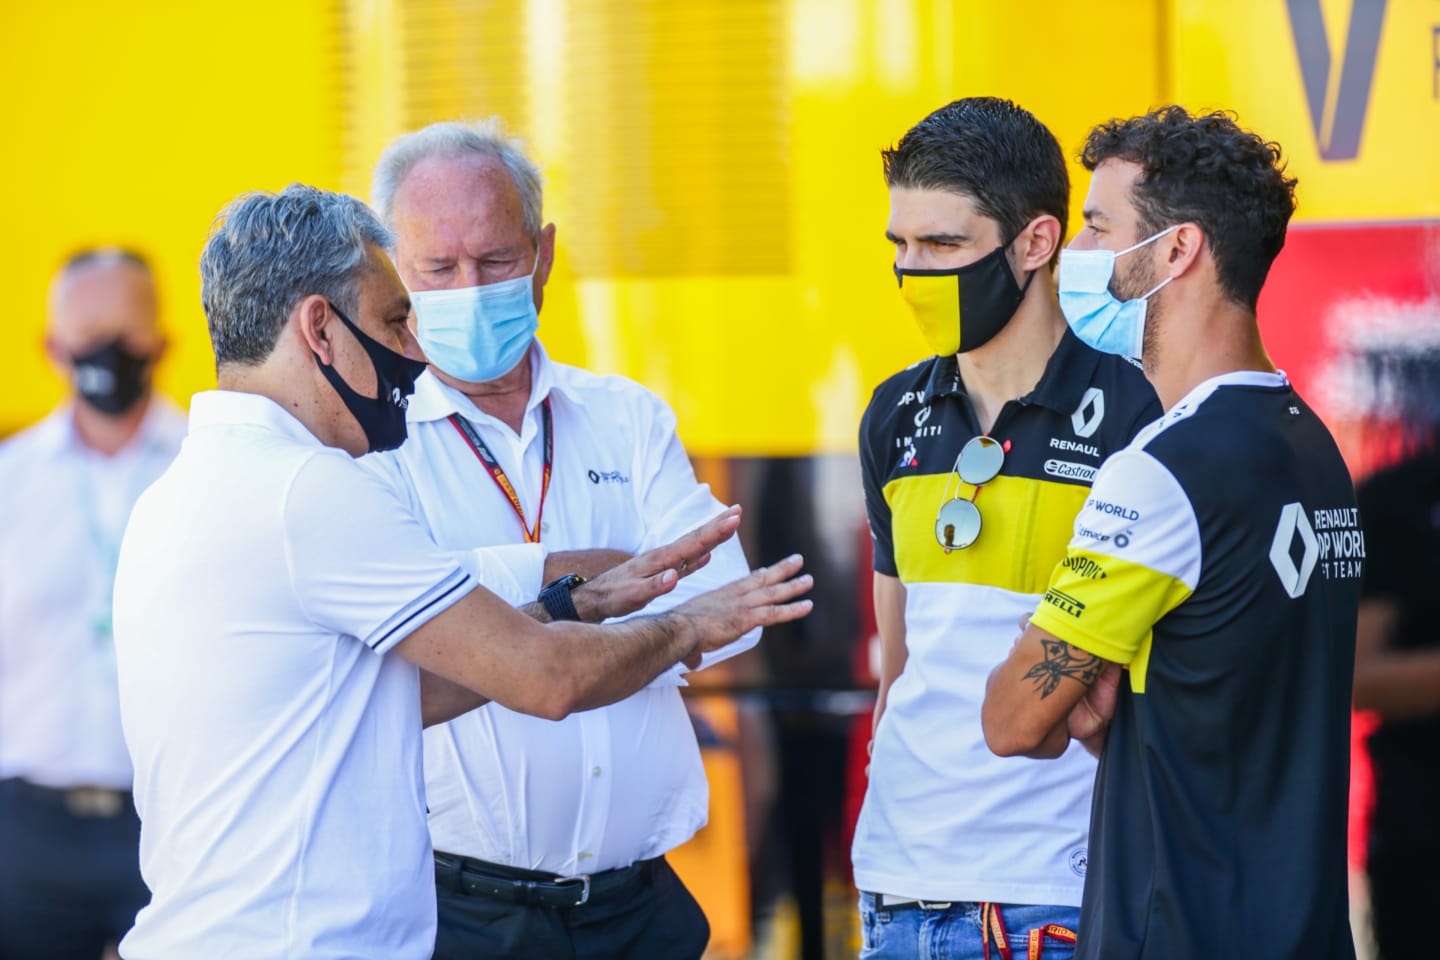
{"x": 1209, "y": 171}
{"x": 996, "y": 153}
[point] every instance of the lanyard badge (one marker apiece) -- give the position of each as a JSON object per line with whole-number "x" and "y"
{"x": 497, "y": 474}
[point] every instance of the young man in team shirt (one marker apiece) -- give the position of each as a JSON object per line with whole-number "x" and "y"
{"x": 1214, "y": 560}
{"x": 957, "y": 851}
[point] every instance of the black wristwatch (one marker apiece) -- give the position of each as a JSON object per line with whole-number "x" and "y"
{"x": 555, "y": 597}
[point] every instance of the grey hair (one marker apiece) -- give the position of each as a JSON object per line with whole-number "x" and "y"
{"x": 453, "y": 140}
{"x": 268, "y": 251}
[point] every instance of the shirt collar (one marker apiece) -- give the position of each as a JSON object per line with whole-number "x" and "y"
{"x": 1234, "y": 378}
{"x": 231, "y": 408}
{"x": 1067, "y": 374}
{"x": 160, "y": 429}
{"x": 435, "y": 400}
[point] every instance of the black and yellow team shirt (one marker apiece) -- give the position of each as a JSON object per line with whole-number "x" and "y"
{"x": 944, "y": 818}
{"x": 1219, "y": 557}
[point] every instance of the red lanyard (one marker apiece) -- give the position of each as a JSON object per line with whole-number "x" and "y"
{"x": 483, "y": 454}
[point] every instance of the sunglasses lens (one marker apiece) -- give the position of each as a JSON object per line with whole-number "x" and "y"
{"x": 957, "y": 525}
{"x": 980, "y": 460}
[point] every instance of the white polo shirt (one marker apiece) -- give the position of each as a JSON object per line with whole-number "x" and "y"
{"x": 61, "y": 520}
{"x": 607, "y": 787}
{"x": 276, "y": 748}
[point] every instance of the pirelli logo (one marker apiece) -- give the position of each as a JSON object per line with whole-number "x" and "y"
{"x": 1064, "y": 602}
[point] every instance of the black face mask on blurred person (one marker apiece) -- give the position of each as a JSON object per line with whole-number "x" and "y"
{"x": 382, "y": 417}
{"x": 110, "y": 378}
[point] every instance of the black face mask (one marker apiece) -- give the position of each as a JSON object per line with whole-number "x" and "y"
{"x": 381, "y": 417}
{"x": 961, "y": 309}
{"x": 110, "y": 378}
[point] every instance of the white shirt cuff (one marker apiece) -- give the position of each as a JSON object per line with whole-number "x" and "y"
{"x": 514, "y": 572}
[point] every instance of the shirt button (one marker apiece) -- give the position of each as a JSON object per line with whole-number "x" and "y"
{"x": 596, "y": 771}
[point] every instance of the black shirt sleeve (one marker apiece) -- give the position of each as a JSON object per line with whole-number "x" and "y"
{"x": 877, "y": 510}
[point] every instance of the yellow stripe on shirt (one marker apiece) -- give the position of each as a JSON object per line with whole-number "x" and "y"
{"x": 1026, "y": 525}
{"x": 1107, "y": 607}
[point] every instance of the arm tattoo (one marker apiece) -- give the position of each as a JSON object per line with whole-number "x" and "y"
{"x": 1059, "y": 661}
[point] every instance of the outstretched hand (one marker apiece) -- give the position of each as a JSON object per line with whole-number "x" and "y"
{"x": 630, "y": 586}
{"x": 764, "y": 598}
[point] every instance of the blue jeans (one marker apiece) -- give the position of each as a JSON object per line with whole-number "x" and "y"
{"x": 959, "y": 931}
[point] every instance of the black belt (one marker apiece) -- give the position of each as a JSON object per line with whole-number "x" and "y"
{"x": 496, "y": 881}
{"x": 85, "y": 803}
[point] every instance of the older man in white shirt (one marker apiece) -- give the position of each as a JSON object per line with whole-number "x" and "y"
{"x": 69, "y": 876}
{"x": 509, "y": 447}
{"x": 283, "y": 624}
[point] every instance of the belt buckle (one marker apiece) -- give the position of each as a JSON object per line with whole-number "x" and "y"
{"x": 93, "y": 803}
{"x": 584, "y": 881}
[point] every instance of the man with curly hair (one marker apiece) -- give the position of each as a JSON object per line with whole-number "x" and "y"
{"x": 1217, "y": 560}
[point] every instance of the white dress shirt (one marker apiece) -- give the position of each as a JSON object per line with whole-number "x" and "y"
{"x": 607, "y": 787}
{"x": 61, "y": 520}
{"x": 262, "y": 581}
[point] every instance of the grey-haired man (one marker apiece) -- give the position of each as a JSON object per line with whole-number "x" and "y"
{"x": 578, "y": 461}
{"x": 282, "y": 621}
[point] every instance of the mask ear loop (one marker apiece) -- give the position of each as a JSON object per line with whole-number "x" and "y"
{"x": 1170, "y": 229}
{"x": 1156, "y": 289}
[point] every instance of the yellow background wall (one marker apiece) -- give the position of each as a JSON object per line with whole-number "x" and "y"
{"x": 134, "y": 123}
{"x": 743, "y": 274}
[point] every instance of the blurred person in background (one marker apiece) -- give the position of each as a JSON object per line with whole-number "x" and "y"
{"x": 69, "y": 863}
{"x": 958, "y": 852}
{"x": 1218, "y": 561}
{"x": 284, "y": 626}
{"x": 1397, "y": 674}
{"x": 550, "y": 838}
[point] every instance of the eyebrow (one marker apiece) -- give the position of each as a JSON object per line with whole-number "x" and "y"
{"x": 511, "y": 251}
{"x": 932, "y": 238}
{"x": 1090, "y": 213}
{"x": 399, "y": 305}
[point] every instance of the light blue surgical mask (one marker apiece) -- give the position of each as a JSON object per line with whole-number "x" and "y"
{"x": 1097, "y": 317}
{"x": 476, "y": 334}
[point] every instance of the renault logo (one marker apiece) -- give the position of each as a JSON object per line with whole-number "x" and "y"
{"x": 1293, "y": 522}
{"x": 1086, "y": 418}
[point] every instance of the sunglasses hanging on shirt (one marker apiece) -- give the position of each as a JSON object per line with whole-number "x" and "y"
{"x": 957, "y": 523}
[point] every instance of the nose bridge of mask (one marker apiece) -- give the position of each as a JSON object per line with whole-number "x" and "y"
{"x": 1087, "y": 271}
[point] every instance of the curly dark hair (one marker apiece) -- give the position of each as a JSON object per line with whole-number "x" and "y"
{"x": 1008, "y": 163}
{"x": 1208, "y": 171}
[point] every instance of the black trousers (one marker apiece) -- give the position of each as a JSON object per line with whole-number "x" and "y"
{"x": 661, "y": 921}
{"x": 68, "y": 885}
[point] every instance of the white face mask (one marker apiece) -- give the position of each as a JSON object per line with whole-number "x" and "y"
{"x": 1097, "y": 317}
{"x": 477, "y": 334}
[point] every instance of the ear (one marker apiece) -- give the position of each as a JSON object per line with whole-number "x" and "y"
{"x": 1037, "y": 243}
{"x": 314, "y": 323}
{"x": 1185, "y": 247}
{"x": 58, "y": 357}
{"x": 547, "y": 254}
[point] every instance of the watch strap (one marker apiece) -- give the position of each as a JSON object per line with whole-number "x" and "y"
{"x": 555, "y": 597}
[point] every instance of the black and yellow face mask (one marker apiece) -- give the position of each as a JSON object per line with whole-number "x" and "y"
{"x": 961, "y": 309}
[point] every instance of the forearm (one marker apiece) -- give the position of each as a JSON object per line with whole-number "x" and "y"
{"x": 888, "y": 672}
{"x": 1399, "y": 684}
{"x": 442, "y": 700}
{"x": 587, "y": 563}
{"x": 600, "y": 667}
{"x": 1056, "y": 742}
